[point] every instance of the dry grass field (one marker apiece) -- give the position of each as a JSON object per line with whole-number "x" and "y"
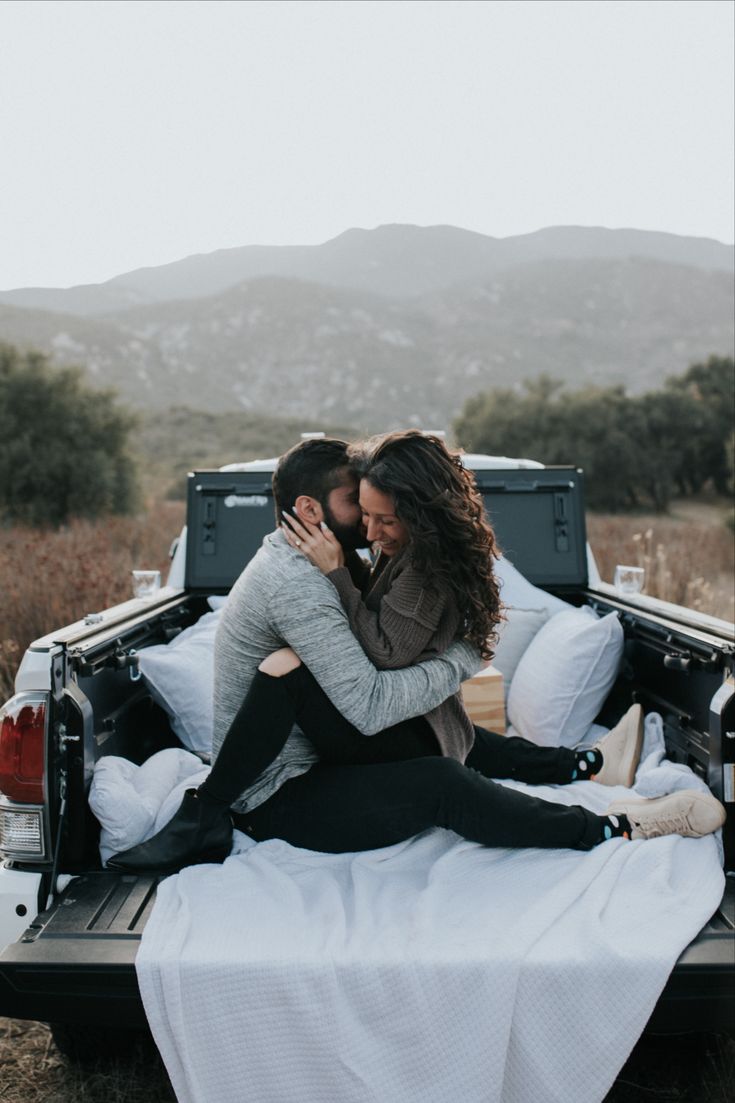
{"x": 50, "y": 579}
{"x": 688, "y": 555}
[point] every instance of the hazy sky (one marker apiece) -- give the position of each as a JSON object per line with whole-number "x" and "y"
{"x": 134, "y": 134}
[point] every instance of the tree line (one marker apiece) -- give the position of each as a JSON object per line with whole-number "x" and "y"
{"x": 635, "y": 450}
{"x": 65, "y": 446}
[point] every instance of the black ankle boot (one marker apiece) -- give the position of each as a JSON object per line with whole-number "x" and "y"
{"x": 199, "y": 832}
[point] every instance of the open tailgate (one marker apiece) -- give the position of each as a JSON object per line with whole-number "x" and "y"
{"x": 76, "y": 961}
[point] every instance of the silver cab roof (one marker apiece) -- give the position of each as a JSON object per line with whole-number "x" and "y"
{"x": 475, "y": 461}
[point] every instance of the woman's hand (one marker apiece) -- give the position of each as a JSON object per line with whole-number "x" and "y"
{"x": 317, "y": 542}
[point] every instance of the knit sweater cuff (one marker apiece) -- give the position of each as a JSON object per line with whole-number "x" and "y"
{"x": 466, "y": 658}
{"x": 341, "y": 579}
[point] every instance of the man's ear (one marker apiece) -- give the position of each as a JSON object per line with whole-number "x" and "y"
{"x": 308, "y": 509}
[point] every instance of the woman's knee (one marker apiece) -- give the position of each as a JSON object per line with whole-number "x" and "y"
{"x": 440, "y": 772}
{"x": 280, "y": 662}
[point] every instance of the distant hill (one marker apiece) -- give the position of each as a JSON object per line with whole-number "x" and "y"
{"x": 315, "y": 352}
{"x": 396, "y": 260}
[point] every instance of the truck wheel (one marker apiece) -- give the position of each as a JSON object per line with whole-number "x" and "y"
{"x": 84, "y": 1043}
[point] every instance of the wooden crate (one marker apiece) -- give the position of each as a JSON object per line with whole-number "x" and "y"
{"x": 484, "y": 701}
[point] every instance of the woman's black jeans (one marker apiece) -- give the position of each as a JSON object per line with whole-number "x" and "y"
{"x": 371, "y": 791}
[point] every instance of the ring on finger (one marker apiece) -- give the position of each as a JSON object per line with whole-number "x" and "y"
{"x": 298, "y": 543}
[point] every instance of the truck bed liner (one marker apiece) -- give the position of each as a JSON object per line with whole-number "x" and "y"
{"x": 79, "y": 957}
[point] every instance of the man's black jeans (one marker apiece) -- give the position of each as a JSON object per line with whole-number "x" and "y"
{"x": 371, "y": 791}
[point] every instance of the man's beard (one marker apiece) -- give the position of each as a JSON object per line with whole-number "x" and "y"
{"x": 351, "y": 537}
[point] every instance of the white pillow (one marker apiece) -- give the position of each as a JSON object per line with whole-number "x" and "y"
{"x": 180, "y": 676}
{"x": 518, "y": 591}
{"x": 129, "y": 800}
{"x": 514, "y": 636}
{"x": 565, "y": 675}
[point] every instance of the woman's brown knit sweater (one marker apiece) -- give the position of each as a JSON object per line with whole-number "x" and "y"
{"x": 400, "y": 621}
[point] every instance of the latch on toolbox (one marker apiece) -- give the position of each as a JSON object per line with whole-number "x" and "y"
{"x": 561, "y": 523}
{"x": 209, "y": 525}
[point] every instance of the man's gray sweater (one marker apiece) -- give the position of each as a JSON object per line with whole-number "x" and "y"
{"x": 281, "y": 600}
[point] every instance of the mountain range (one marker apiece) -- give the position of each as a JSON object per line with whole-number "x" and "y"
{"x": 394, "y": 326}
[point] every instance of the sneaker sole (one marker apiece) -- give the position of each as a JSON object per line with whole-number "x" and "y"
{"x": 629, "y": 765}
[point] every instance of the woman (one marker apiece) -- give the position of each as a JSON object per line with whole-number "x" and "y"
{"x": 432, "y": 581}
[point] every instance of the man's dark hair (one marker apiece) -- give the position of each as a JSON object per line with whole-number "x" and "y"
{"x": 314, "y": 467}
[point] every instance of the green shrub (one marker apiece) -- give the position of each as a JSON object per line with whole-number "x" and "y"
{"x": 63, "y": 445}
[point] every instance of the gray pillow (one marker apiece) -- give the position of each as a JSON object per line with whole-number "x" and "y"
{"x": 514, "y": 636}
{"x": 180, "y": 676}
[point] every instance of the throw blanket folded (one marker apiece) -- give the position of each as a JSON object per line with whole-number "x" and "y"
{"x": 432, "y": 970}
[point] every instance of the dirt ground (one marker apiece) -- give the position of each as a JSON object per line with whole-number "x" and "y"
{"x": 665, "y": 1070}
{"x": 33, "y": 1071}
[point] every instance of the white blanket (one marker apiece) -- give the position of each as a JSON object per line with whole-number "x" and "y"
{"x": 430, "y": 971}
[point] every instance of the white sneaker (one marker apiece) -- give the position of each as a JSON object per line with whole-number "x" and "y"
{"x": 621, "y": 750}
{"x": 690, "y": 812}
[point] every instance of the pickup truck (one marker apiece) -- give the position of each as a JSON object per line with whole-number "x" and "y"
{"x": 70, "y": 929}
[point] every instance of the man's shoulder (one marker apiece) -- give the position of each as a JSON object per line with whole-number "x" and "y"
{"x": 278, "y": 570}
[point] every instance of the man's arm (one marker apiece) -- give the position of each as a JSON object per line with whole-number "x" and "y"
{"x": 310, "y": 618}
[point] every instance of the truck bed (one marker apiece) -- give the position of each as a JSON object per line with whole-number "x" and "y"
{"x": 76, "y": 962}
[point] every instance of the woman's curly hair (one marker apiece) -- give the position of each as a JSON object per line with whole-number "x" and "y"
{"x": 435, "y": 497}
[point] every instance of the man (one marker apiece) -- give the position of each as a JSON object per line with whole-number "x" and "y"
{"x": 281, "y": 600}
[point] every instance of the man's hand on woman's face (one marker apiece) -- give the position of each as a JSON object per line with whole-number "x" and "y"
{"x": 317, "y": 542}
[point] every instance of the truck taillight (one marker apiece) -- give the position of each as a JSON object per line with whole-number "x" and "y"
{"x": 23, "y": 747}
